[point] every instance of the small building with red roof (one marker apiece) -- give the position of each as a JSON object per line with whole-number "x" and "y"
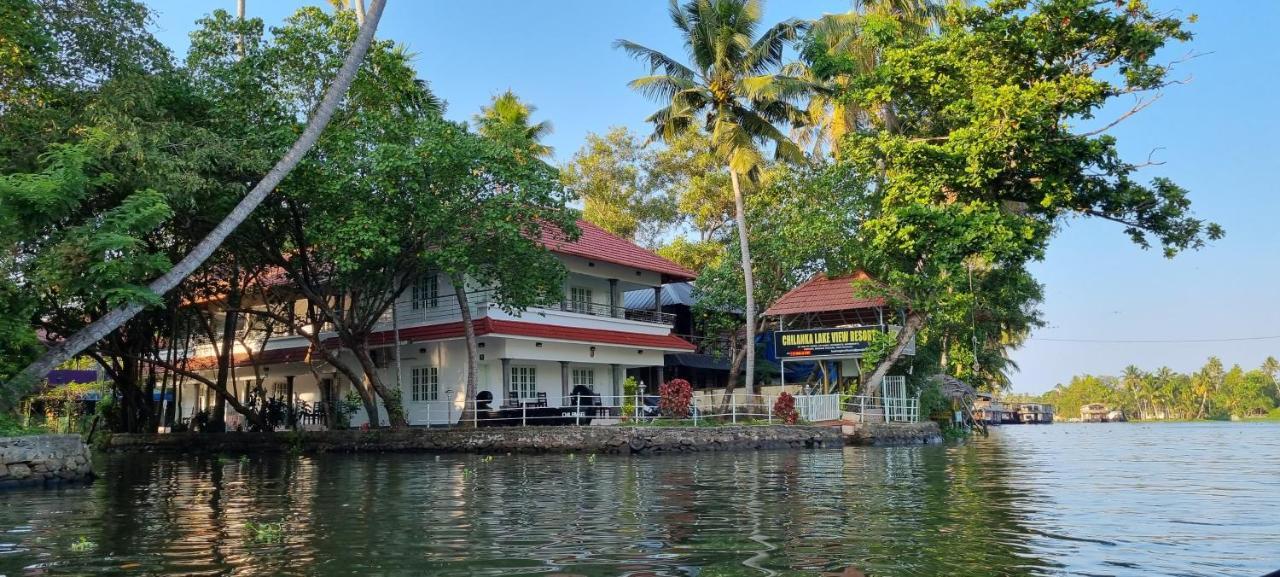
{"x": 830, "y": 322}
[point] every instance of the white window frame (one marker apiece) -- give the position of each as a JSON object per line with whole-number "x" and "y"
{"x": 425, "y": 292}
{"x": 424, "y": 384}
{"x": 581, "y": 299}
{"x": 583, "y": 376}
{"x": 524, "y": 381}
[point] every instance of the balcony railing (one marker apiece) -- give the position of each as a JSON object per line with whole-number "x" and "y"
{"x": 611, "y": 311}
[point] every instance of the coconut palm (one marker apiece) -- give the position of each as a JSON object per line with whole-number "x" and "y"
{"x": 733, "y": 87}
{"x": 506, "y": 119}
{"x": 100, "y": 328}
{"x": 839, "y": 38}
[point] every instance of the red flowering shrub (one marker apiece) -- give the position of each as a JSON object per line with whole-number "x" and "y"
{"x": 674, "y": 397}
{"x": 784, "y": 409}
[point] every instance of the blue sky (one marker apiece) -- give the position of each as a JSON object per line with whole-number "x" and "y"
{"x": 1216, "y": 136}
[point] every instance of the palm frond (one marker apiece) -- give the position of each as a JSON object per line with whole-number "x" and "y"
{"x": 766, "y": 52}
{"x": 660, "y": 87}
{"x": 657, "y": 60}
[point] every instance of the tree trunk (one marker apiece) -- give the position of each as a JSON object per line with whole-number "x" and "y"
{"x": 748, "y": 277}
{"x": 473, "y": 351}
{"x": 96, "y": 330}
{"x": 226, "y": 355}
{"x": 390, "y": 399}
{"x": 736, "y": 358}
{"x": 871, "y": 381}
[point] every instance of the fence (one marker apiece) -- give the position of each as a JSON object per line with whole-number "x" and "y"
{"x": 706, "y": 408}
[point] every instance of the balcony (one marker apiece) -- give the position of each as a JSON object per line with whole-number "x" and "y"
{"x": 611, "y": 311}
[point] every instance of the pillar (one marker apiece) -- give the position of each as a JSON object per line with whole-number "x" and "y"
{"x": 613, "y": 298}
{"x": 564, "y": 380}
{"x": 657, "y": 300}
{"x": 662, "y": 378}
{"x": 293, "y": 419}
{"x": 506, "y": 381}
{"x": 615, "y": 380}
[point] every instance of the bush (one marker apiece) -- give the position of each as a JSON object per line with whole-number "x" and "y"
{"x": 630, "y": 388}
{"x": 784, "y": 409}
{"x": 674, "y": 398}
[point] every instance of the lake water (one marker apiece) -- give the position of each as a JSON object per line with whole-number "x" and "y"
{"x": 1113, "y": 499}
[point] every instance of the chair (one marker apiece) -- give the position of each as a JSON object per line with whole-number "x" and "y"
{"x": 513, "y": 399}
{"x": 542, "y": 400}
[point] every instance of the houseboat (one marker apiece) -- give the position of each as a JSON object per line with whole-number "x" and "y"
{"x": 1100, "y": 413}
{"x": 1035, "y": 414}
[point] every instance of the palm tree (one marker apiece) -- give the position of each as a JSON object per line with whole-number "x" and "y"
{"x": 506, "y": 119}
{"x": 100, "y": 328}
{"x": 733, "y": 87}
{"x": 840, "y": 37}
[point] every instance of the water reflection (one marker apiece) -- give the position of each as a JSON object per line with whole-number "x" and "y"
{"x": 1003, "y": 506}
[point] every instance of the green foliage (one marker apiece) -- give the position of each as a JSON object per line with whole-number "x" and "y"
{"x": 83, "y": 545}
{"x": 630, "y": 388}
{"x": 265, "y": 532}
{"x": 972, "y": 159}
{"x": 618, "y": 182}
{"x": 1212, "y": 392}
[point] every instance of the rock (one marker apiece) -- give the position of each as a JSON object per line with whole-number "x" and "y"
{"x": 19, "y": 471}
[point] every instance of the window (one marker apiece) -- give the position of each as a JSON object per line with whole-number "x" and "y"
{"x": 425, "y": 384}
{"x": 280, "y": 390}
{"x": 584, "y": 377}
{"x": 426, "y": 293}
{"x": 524, "y": 381}
{"x": 580, "y": 300}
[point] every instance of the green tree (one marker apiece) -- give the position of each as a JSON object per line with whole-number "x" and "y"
{"x": 122, "y": 312}
{"x": 733, "y": 89}
{"x": 981, "y": 159}
{"x": 615, "y": 178}
{"x": 508, "y": 119}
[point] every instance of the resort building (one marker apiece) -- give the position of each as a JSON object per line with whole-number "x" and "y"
{"x": 826, "y": 326}
{"x": 536, "y": 357}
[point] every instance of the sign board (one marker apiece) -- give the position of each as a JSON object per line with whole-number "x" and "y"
{"x": 811, "y": 343}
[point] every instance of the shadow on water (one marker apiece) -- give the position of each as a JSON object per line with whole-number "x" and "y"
{"x": 993, "y": 507}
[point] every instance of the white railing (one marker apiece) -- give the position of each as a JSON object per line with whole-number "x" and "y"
{"x": 704, "y": 409}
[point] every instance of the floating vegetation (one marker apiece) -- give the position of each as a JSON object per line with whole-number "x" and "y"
{"x": 265, "y": 532}
{"x": 591, "y": 458}
{"x": 82, "y": 545}
{"x": 487, "y": 459}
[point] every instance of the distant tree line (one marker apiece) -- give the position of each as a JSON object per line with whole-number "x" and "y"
{"x": 1212, "y": 392}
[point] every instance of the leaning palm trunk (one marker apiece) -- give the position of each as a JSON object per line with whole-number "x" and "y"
{"x": 748, "y": 281}
{"x": 100, "y": 328}
{"x": 871, "y": 381}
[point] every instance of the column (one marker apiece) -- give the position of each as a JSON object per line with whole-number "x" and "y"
{"x": 657, "y": 300}
{"x": 506, "y": 382}
{"x": 662, "y": 378}
{"x": 613, "y": 298}
{"x": 564, "y": 381}
{"x": 615, "y": 380}
{"x": 288, "y": 386}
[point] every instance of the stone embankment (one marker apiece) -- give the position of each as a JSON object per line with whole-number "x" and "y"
{"x": 43, "y": 459}
{"x": 604, "y": 440}
{"x": 886, "y": 434}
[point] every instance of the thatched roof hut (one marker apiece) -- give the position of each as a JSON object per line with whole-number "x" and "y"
{"x": 955, "y": 389}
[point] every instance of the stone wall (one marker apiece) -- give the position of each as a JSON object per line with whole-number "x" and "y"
{"x": 885, "y": 434}
{"x": 605, "y": 440}
{"x": 43, "y": 459}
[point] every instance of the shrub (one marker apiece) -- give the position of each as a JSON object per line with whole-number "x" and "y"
{"x": 630, "y": 388}
{"x": 784, "y": 409}
{"x": 674, "y": 398}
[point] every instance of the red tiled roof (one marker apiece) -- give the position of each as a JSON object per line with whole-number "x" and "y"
{"x": 597, "y": 244}
{"x": 822, "y": 294}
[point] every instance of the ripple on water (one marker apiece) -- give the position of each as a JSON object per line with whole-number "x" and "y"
{"x": 1173, "y": 499}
